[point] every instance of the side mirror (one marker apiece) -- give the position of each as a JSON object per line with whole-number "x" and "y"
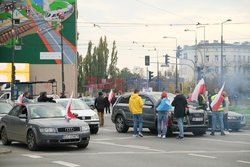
{"x": 75, "y": 114}
{"x": 23, "y": 116}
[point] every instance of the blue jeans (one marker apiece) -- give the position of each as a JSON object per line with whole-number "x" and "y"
{"x": 162, "y": 119}
{"x": 225, "y": 120}
{"x": 180, "y": 126}
{"x": 137, "y": 119}
{"x": 214, "y": 121}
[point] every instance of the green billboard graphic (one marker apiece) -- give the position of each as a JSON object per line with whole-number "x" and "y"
{"x": 38, "y": 26}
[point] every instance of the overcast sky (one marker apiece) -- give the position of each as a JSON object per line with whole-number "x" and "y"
{"x": 186, "y": 13}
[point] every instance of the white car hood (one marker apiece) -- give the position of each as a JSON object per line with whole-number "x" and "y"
{"x": 87, "y": 112}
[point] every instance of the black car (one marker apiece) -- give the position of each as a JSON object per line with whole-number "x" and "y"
{"x": 196, "y": 121}
{"x": 236, "y": 121}
{"x": 42, "y": 124}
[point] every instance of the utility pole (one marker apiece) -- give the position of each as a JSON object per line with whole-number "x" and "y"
{"x": 13, "y": 69}
{"x": 63, "y": 84}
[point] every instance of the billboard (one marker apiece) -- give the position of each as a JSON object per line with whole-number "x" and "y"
{"x": 38, "y": 26}
{"x": 22, "y": 72}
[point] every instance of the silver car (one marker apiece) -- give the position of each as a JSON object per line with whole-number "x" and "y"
{"x": 40, "y": 124}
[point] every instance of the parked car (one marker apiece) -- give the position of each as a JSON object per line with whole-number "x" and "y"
{"x": 236, "y": 121}
{"x": 5, "y": 107}
{"x": 41, "y": 124}
{"x": 196, "y": 121}
{"x": 89, "y": 101}
{"x": 83, "y": 112}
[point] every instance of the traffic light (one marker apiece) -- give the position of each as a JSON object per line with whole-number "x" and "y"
{"x": 147, "y": 60}
{"x": 150, "y": 75}
{"x": 166, "y": 59}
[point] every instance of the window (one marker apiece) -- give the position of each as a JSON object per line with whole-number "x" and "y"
{"x": 224, "y": 58}
{"x": 146, "y": 100}
{"x": 15, "y": 111}
{"x": 234, "y": 58}
{"x": 248, "y": 59}
{"x": 185, "y": 56}
{"x": 239, "y": 59}
{"x": 216, "y": 58}
{"x": 244, "y": 59}
{"x": 124, "y": 99}
{"x": 216, "y": 69}
{"x": 207, "y": 58}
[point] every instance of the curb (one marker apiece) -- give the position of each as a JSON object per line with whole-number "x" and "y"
{"x": 4, "y": 151}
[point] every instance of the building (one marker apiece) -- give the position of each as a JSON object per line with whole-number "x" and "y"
{"x": 204, "y": 60}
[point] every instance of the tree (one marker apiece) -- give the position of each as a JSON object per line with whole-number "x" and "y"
{"x": 113, "y": 70}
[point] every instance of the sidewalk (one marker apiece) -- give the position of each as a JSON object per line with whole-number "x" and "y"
{"x": 4, "y": 151}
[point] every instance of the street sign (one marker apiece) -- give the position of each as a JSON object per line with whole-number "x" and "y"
{"x": 50, "y": 55}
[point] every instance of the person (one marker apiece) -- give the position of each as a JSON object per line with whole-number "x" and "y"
{"x": 107, "y": 104}
{"x": 217, "y": 113}
{"x": 202, "y": 101}
{"x": 135, "y": 107}
{"x": 180, "y": 105}
{"x": 162, "y": 107}
{"x": 25, "y": 98}
{"x": 43, "y": 98}
{"x": 100, "y": 105}
{"x": 226, "y": 109}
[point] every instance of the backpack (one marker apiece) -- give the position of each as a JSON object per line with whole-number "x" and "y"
{"x": 164, "y": 105}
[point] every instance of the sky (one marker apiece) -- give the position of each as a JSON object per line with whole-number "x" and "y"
{"x": 153, "y": 19}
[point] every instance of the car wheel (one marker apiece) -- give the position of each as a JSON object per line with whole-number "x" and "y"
{"x": 199, "y": 133}
{"x": 94, "y": 130}
{"x": 5, "y": 140}
{"x": 82, "y": 146}
{"x": 120, "y": 124}
{"x": 31, "y": 141}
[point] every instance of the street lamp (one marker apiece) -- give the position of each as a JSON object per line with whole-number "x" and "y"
{"x": 221, "y": 56}
{"x": 204, "y": 40}
{"x": 63, "y": 83}
{"x": 176, "y": 65}
{"x": 13, "y": 69}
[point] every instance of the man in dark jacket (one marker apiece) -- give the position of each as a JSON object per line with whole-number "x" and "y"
{"x": 107, "y": 104}
{"x": 43, "y": 98}
{"x": 100, "y": 105}
{"x": 180, "y": 104}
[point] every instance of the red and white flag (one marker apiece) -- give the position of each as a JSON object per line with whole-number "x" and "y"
{"x": 218, "y": 100}
{"x": 199, "y": 88}
{"x": 20, "y": 99}
{"x": 111, "y": 94}
{"x": 69, "y": 114}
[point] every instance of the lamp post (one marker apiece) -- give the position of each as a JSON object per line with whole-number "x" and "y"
{"x": 176, "y": 62}
{"x": 62, "y": 55}
{"x": 204, "y": 39}
{"x": 221, "y": 56}
{"x": 13, "y": 69}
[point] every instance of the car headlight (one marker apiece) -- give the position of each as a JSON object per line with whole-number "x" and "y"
{"x": 85, "y": 128}
{"x": 47, "y": 130}
{"x": 95, "y": 116}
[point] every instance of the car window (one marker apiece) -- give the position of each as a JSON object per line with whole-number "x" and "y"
{"x": 46, "y": 111}
{"x": 15, "y": 111}
{"x": 76, "y": 104}
{"x": 5, "y": 108}
{"x": 124, "y": 100}
{"x": 146, "y": 100}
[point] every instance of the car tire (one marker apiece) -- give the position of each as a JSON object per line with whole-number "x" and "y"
{"x": 94, "y": 130}
{"x": 31, "y": 141}
{"x": 4, "y": 136}
{"x": 120, "y": 124}
{"x": 82, "y": 146}
{"x": 199, "y": 133}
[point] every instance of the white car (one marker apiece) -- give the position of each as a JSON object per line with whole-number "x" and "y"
{"x": 83, "y": 112}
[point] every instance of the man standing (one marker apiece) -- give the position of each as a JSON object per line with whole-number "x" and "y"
{"x": 100, "y": 105}
{"x": 180, "y": 104}
{"x": 202, "y": 101}
{"x": 135, "y": 107}
{"x": 217, "y": 113}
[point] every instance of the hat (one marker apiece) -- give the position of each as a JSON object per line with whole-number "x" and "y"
{"x": 164, "y": 94}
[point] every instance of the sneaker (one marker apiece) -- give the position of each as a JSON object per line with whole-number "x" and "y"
{"x": 159, "y": 135}
{"x": 223, "y": 134}
{"x": 212, "y": 134}
{"x": 135, "y": 135}
{"x": 140, "y": 134}
{"x": 226, "y": 132}
{"x": 164, "y": 136}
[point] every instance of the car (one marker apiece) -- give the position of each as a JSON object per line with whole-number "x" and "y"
{"x": 196, "y": 122}
{"x": 236, "y": 121}
{"x": 82, "y": 112}
{"x": 43, "y": 124}
{"x": 5, "y": 107}
{"x": 89, "y": 101}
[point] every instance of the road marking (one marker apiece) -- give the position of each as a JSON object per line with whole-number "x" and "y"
{"x": 32, "y": 156}
{"x": 65, "y": 163}
{"x": 224, "y": 141}
{"x": 119, "y": 138}
{"x": 203, "y": 156}
{"x": 244, "y": 162}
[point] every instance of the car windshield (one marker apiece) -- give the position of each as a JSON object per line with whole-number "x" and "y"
{"x": 5, "y": 108}
{"x": 157, "y": 96}
{"x": 46, "y": 111}
{"x": 76, "y": 104}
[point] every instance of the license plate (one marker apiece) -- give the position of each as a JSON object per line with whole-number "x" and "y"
{"x": 71, "y": 137}
{"x": 197, "y": 119}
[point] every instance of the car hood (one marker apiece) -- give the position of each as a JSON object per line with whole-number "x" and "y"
{"x": 87, "y": 112}
{"x": 58, "y": 122}
{"x": 231, "y": 113}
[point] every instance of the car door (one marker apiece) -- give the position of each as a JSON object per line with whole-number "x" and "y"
{"x": 148, "y": 111}
{"x": 124, "y": 106}
{"x": 10, "y": 122}
{"x": 21, "y": 124}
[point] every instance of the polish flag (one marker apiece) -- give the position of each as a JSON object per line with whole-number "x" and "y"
{"x": 199, "y": 88}
{"x": 20, "y": 99}
{"x": 69, "y": 114}
{"x": 111, "y": 94}
{"x": 218, "y": 100}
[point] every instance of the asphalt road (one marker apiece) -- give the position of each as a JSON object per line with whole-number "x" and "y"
{"x": 111, "y": 149}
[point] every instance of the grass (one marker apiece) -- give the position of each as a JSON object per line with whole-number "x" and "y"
{"x": 242, "y": 109}
{"x": 38, "y": 8}
{"x": 70, "y": 1}
{"x": 5, "y": 16}
{"x": 23, "y": 12}
{"x": 57, "y": 5}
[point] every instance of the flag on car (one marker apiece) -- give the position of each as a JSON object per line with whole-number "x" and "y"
{"x": 69, "y": 114}
{"x": 218, "y": 100}
{"x": 110, "y": 96}
{"x": 199, "y": 88}
{"x": 20, "y": 99}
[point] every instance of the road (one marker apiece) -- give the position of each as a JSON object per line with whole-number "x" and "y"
{"x": 111, "y": 149}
